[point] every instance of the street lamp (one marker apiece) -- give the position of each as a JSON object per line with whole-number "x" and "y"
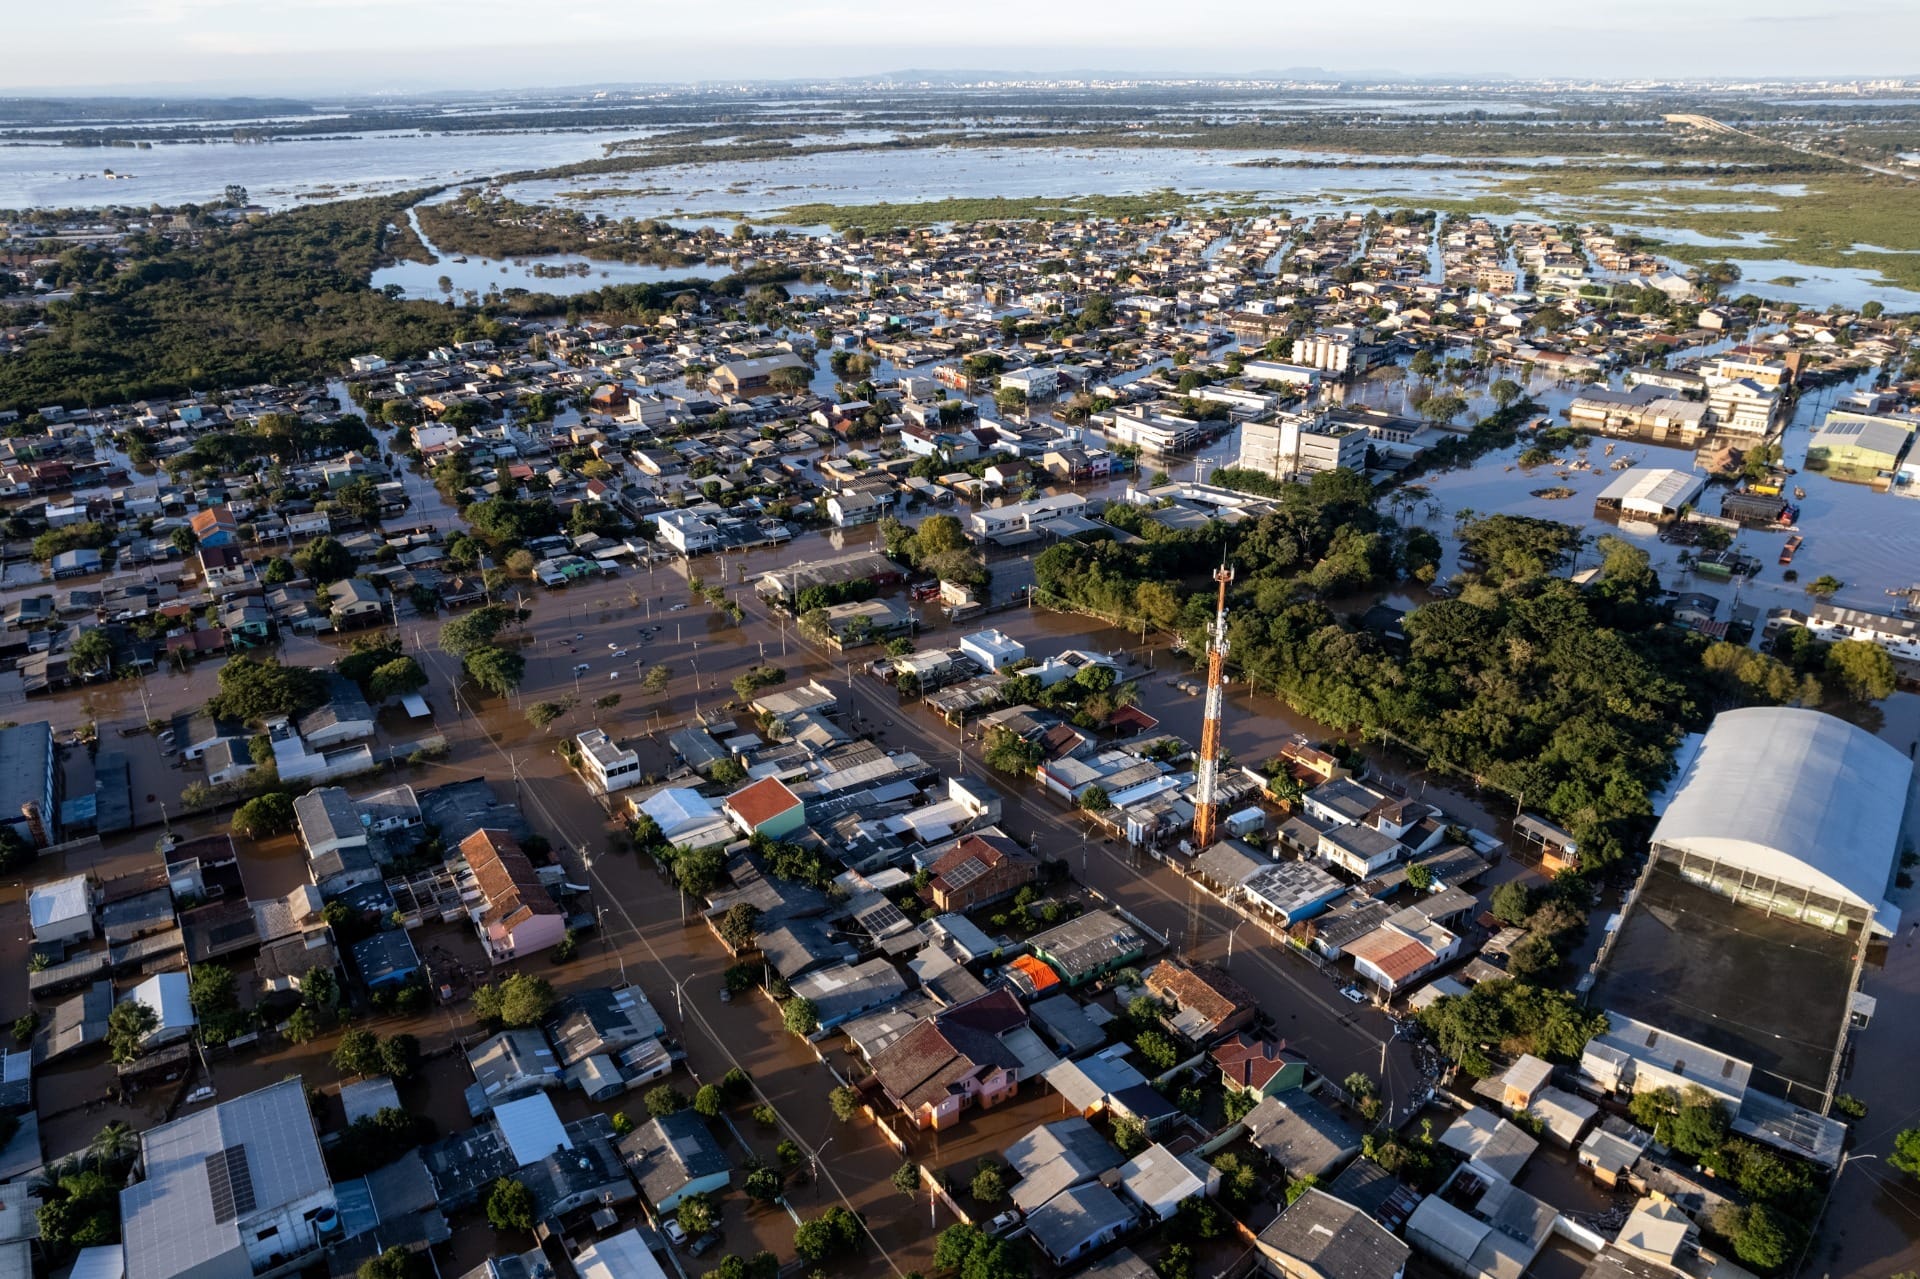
{"x": 1236, "y": 928}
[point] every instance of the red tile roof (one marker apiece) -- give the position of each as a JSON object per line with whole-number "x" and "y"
{"x": 761, "y": 802}
{"x": 1248, "y": 1062}
{"x": 1205, "y": 989}
{"x": 513, "y": 891}
{"x": 1392, "y": 952}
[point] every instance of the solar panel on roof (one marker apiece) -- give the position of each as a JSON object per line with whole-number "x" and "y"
{"x": 230, "y": 1181}
{"x": 965, "y": 873}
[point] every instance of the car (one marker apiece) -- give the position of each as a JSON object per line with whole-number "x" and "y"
{"x": 726, "y": 994}
{"x": 619, "y": 652}
{"x": 1352, "y": 995}
{"x": 675, "y": 1235}
{"x": 1004, "y": 1222}
{"x": 613, "y": 646}
{"x": 678, "y": 608}
{"x": 582, "y": 668}
{"x": 579, "y": 635}
{"x": 704, "y": 1242}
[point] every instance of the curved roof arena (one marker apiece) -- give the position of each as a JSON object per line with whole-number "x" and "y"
{"x": 1797, "y": 796}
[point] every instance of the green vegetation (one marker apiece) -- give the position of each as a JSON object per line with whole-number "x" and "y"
{"x": 281, "y": 298}
{"x": 515, "y": 1001}
{"x": 264, "y": 816}
{"x": 510, "y": 1206}
{"x": 374, "y": 1141}
{"x": 254, "y": 690}
{"x": 1514, "y": 1017}
{"x": 833, "y": 1233}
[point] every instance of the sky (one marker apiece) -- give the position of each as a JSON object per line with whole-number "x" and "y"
{"x": 212, "y": 47}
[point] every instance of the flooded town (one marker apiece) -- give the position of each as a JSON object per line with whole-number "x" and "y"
{"x": 872, "y": 713}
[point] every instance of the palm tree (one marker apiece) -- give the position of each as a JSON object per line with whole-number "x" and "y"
{"x": 113, "y": 1146}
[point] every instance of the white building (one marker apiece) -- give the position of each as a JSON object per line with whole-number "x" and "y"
{"x": 1283, "y": 374}
{"x": 1018, "y": 517}
{"x": 609, "y": 766}
{"x": 1148, "y": 431}
{"x": 687, "y": 532}
{"x": 1302, "y": 444}
{"x": 1034, "y": 383}
{"x": 234, "y": 1191}
{"x": 993, "y": 649}
{"x": 62, "y": 910}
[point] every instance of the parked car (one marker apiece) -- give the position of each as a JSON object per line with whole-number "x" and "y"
{"x": 1005, "y": 1222}
{"x": 1352, "y": 995}
{"x": 675, "y": 1235}
{"x": 582, "y": 669}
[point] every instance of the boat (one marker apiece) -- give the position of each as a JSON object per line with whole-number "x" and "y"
{"x": 1788, "y": 551}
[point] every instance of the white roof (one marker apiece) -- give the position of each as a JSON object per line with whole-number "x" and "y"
{"x": 61, "y": 900}
{"x": 167, "y": 994}
{"x": 108, "y": 1262}
{"x": 1794, "y": 795}
{"x": 621, "y": 1256}
{"x": 678, "y": 810}
{"x": 1653, "y": 488}
{"x": 532, "y": 1128}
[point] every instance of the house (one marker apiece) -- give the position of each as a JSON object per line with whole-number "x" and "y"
{"x": 607, "y": 1040}
{"x": 953, "y": 1061}
{"x": 977, "y": 870}
{"x": 1359, "y": 850}
{"x": 1302, "y": 1135}
{"x": 236, "y": 1190}
{"x": 386, "y": 959}
{"x": 516, "y": 915}
{"x": 1251, "y": 1064}
{"x": 29, "y": 778}
{"x": 511, "y": 1065}
{"x": 993, "y": 649}
{"x": 622, "y": 1256}
{"x": 1090, "y": 946}
{"x": 352, "y": 602}
{"x": 844, "y": 991}
{"x": 1480, "y": 1227}
{"x": 850, "y": 509}
{"x": 214, "y": 526}
{"x": 766, "y": 807}
{"x": 686, "y": 818}
{"x": 752, "y": 375}
{"x": 328, "y": 822}
{"x": 1320, "y": 1237}
{"x": 1159, "y": 1180}
{"x": 344, "y": 717}
{"x": 1078, "y": 1220}
{"x": 165, "y": 994}
{"x": 61, "y": 911}
{"x": 673, "y": 1156}
{"x": 1401, "y": 950}
{"x": 1206, "y": 1002}
{"x": 1498, "y": 1145}
{"x": 1055, "y": 1156}
{"x": 609, "y": 766}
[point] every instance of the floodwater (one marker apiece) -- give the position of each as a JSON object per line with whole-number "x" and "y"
{"x": 276, "y": 174}
{"x": 563, "y": 274}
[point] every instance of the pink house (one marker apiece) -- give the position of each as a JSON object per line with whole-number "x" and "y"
{"x": 953, "y": 1061}
{"x": 517, "y": 915}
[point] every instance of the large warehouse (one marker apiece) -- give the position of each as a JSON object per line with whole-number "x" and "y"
{"x": 1793, "y": 812}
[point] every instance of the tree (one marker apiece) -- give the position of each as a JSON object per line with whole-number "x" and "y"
{"x": 906, "y": 1178}
{"x": 1441, "y": 409}
{"x": 1504, "y": 392}
{"x": 1094, "y": 799}
{"x": 302, "y": 1026}
{"x": 739, "y": 925}
{"x": 542, "y": 714}
{"x": 80, "y": 1210}
{"x": 709, "y": 1100}
{"x": 324, "y": 561}
{"x": 128, "y": 1026}
{"x": 510, "y": 1206}
{"x": 1419, "y": 877}
{"x": 400, "y": 1056}
{"x": 497, "y": 670}
{"x": 1512, "y": 903}
{"x": 656, "y": 679}
{"x": 516, "y": 1001}
{"x": 664, "y": 1100}
{"x": 114, "y": 1146}
{"x": 358, "y": 1053}
{"x": 320, "y": 988}
{"x": 476, "y": 630}
{"x": 1906, "y": 1152}
{"x": 695, "y": 1214}
{"x": 800, "y": 1016}
{"x": 833, "y": 1232}
{"x": 396, "y": 678}
{"x": 1862, "y": 668}
{"x": 264, "y": 816}
{"x": 256, "y": 690}
{"x": 1824, "y": 586}
{"x": 845, "y": 1104}
{"x": 395, "y": 1263}
{"x": 210, "y": 990}
{"x": 989, "y": 1185}
{"x": 91, "y": 653}
{"x": 765, "y": 1184}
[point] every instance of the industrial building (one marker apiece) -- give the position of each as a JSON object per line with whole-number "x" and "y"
{"x": 1793, "y": 812}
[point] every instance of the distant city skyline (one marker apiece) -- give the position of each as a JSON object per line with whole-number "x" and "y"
{"x": 317, "y": 47}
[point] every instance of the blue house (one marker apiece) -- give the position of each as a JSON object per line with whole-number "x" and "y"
{"x": 386, "y": 959}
